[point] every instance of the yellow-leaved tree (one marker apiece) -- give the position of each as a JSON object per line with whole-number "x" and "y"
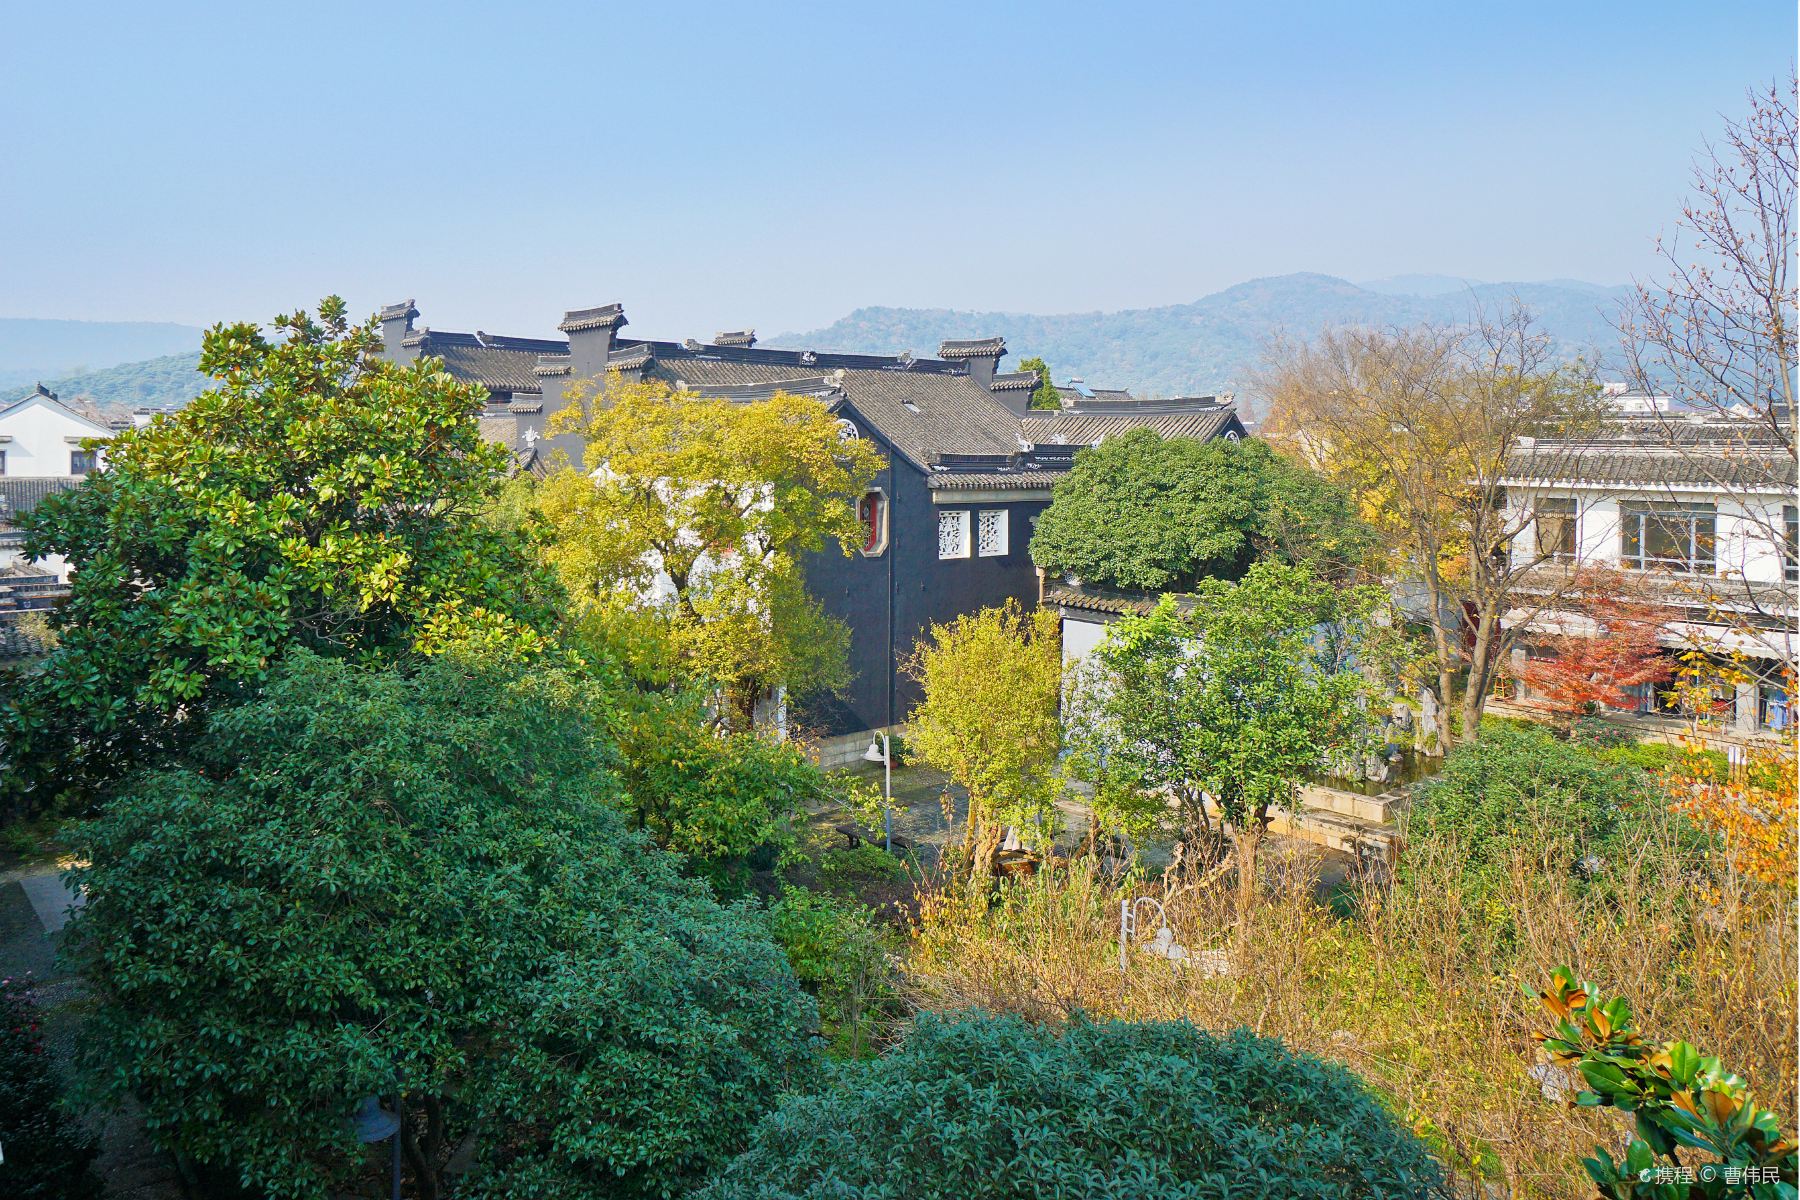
{"x": 1750, "y": 800}
{"x": 988, "y": 720}
{"x": 1417, "y": 425}
{"x": 689, "y": 524}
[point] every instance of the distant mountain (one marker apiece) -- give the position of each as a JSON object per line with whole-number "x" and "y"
{"x": 169, "y": 381}
{"x": 33, "y": 349}
{"x": 1214, "y": 343}
{"x": 1418, "y": 285}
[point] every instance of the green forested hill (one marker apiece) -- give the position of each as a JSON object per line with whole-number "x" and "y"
{"x": 1215, "y": 343}
{"x": 172, "y": 380}
{"x": 34, "y": 348}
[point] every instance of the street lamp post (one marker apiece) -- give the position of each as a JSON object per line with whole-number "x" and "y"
{"x": 881, "y": 750}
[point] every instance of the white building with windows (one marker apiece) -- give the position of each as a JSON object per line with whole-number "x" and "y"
{"x": 47, "y": 445}
{"x": 41, "y": 437}
{"x": 1703, "y": 511}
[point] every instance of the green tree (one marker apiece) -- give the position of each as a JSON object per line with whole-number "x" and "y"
{"x": 319, "y": 496}
{"x": 994, "y": 1107}
{"x": 691, "y": 521}
{"x": 370, "y": 880}
{"x": 1045, "y": 395}
{"x": 1146, "y": 513}
{"x": 988, "y": 720}
{"x": 46, "y": 1153}
{"x": 1226, "y": 705}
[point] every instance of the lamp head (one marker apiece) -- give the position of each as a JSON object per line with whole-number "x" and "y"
{"x": 373, "y": 1123}
{"x": 875, "y": 753}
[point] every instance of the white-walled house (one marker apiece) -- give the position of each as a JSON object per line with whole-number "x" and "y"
{"x": 1702, "y": 510}
{"x": 41, "y": 438}
{"x": 46, "y": 446}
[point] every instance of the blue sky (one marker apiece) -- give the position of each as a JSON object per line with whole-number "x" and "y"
{"x": 778, "y": 165}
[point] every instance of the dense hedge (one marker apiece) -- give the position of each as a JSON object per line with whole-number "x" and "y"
{"x": 992, "y": 1106}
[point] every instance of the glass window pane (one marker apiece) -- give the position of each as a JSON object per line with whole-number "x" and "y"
{"x": 1631, "y": 542}
{"x": 1666, "y": 538}
{"x": 1705, "y": 542}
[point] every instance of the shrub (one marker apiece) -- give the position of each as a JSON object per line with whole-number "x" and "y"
{"x": 724, "y": 801}
{"x": 374, "y": 879}
{"x": 843, "y": 869}
{"x": 1599, "y": 734}
{"x": 47, "y": 1153}
{"x": 837, "y": 954}
{"x": 1524, "y": 790}
{"x": 992, "y": 1106}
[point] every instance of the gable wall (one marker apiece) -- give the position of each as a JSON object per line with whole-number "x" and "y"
{"x": 39, "y": 447}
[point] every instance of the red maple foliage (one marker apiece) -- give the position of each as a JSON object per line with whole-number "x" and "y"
{"x": 1612, "y": 650}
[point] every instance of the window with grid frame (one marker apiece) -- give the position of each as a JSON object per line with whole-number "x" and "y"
{"x": 1555, "y": 517}
{"x": 990, "y": 533}
{"x": 81, "y": 462}
{"x": 953, "y": 533}
{"x": 1658, "y": 536}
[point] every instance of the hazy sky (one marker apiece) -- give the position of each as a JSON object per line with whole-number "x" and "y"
{"x": 779, "y": 165}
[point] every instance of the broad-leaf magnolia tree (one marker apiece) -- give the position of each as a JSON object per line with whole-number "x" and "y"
{"x": 1226, "y": 706}
{"x": 317, "y": 497}
{"x": 988, "y": 720}
{"x": 1688, "y": 1109}
{"x": 1145, "y": 513}
{"x": 371, "y": 881}
{"x": 693, "y": 517}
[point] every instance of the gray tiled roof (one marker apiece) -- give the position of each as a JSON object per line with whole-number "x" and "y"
{"x": 501, "y": 429}
{"x": 500, "y": 364}
{"x": 1088, "y": 429}
{"x": 18, "y": 640}
{"x": 1002, "y": 481}
{"x": 1702, "y": 592}
{"x": 735, "y": 337}
{"x": 607, "y": 316}
{"x": 1015, "y": 381}
{"x": 950, "y": 412}
{"x": 403, "y": 311}
{"x": 20, "y": 496}
{"x": 1742, "y": 467}
{"x": 630, "y": 358}
{"x": 1101, "y": 600}
{"x": 971, "y": 348}
{"x": 927, "y": 408}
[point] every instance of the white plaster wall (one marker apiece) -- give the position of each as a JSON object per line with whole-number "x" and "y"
{"x": 1079, "y": 637}
{"x": 40, "y": 431}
